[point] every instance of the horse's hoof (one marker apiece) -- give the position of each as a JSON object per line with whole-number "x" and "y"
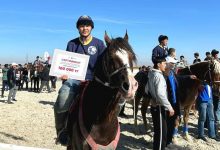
{"x": 146, "y": 129}
{"x": 136, "y": 131}
{"x": 187, "y": 137}
{"x": 135, "y": 123}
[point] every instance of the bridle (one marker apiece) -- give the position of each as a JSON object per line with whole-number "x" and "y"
{"x": 207, "y": 72}
{"x": 107, "y": 83}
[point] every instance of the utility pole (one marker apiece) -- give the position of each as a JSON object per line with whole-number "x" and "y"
{"x": 26, "y": 58}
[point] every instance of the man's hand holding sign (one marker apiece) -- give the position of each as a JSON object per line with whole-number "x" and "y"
{"x": 69, "y": 65}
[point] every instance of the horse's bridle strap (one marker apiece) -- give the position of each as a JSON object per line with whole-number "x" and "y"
{"x": 207, "y": 72}
{"x": 116, "y": 71}
{"x": 189, "y": 69}
{"x": 107, "y": 84}
{"x": 103, "y": 83}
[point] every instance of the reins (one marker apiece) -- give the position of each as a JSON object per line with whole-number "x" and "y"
{"x": 207, "y": 72}
{"x": 107, "y": 83}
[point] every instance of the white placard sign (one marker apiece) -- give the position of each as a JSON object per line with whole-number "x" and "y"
{"x": 73, "y": 65}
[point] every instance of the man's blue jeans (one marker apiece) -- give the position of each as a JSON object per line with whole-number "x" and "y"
{"x": 206, "y": 108}
{"x": 66, "y": 96}
{"x": 216, "y": 103}
{"x": 67, "y": 93}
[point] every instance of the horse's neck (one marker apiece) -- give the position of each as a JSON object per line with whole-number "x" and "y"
{"x": 184, "y": 71}
{"x": 188, "y": 90}
{"x": 99, "y": 104}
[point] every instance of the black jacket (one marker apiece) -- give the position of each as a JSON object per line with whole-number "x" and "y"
{"x": 11, "y": 78}
{"x": 158, "y": 51}
{"x": 141, "y": 77}
{"x": 25, "y": 72}
{"x": 45, "y": 74}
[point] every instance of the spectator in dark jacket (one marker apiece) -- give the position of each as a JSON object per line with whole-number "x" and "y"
{"x": 45, "y": 78}
{"x": 32, "y": 71}
{"x": 197, "y": 59}
{"x": 25, "y": 77}
{"x": 208, "y": 56}
{"x": 215, "y": 54}
{"x": 18, "y": 74}
{"x": 53, "y": 80}
{"x": 12, "y": 83}
{"x": 4, "y": 79}
{"x": 36, "y": 77}
{"x": 160, "y": 50}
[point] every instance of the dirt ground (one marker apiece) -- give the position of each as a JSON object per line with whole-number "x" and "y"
{"x": 30, "y": 122}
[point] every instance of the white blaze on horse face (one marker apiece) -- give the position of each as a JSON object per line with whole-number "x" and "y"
{"x": 133, "y": 85}
{"x": 123, "y": 55}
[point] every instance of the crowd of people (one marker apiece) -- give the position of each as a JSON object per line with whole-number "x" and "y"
{"x": 162, "y": 87}
{"x": 29, "y": 77}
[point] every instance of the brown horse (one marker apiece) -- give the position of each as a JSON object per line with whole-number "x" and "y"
{"x": 95, "y": 124}
{"x": 205, "y": 72}
{"x": 188, "y": 88}
{"x": 141, "y": 96}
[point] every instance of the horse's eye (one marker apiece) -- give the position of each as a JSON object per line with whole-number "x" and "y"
{"x": 123, "y": 77}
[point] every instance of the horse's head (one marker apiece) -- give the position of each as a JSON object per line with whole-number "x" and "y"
{"x": 215, "y": 71}
{"x": 215, "y": 76}
{"x": 208, "y": 71}
{"x": 117, "y": 66}
{"x": 201, "y": 70}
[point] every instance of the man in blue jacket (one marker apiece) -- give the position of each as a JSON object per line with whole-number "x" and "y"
{"x": 85, "y": 44}
{"x": 160, "y": 50}
{"x": 173, "y": 96}
{"x": 205, "y": 107}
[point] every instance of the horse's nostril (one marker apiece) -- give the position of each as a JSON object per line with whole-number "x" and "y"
{"x": 125, "y": 86}
{"x": 136, "y": 83}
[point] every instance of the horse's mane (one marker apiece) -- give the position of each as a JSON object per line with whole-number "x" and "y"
{"x": 188, "y": 69}
{"x": 198, "y": 64}
{"x": 215, "y": 64}
{"x": 202, "y": 69}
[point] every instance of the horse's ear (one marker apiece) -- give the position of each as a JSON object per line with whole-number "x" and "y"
{"x": 107, "y": 39}
{"x": 126, "y": 36}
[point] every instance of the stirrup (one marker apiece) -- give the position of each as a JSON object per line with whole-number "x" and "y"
{"x": 62, "y": 141}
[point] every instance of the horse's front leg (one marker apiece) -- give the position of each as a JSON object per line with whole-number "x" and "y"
{"x": 195, "y": 112}
{"x": 145, "y": 104}
{"x": 137, "y": 100}
{"x": 77, "y": 140}
{"x": 69, "y": 147}
{"x": 175, "y": 132}
{"x": 186, "y": 119}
